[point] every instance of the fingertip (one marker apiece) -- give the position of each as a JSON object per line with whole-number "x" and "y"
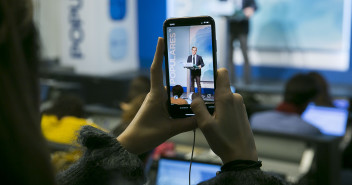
{"x": 198, "y": 107}
{"x": 161, "y": 42}
{"x": 223, "y": 70}
{"x": 159, "y": 49}
{"x": 160, "y": 39}
{"x": 196, "y": 101}
{"x": 222, "y": 80}
{"x": 223, "y": 75}
{"x": 156, "y": 67}
{"x": 195, "y": 95}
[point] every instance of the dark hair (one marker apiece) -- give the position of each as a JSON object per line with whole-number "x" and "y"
{"x": 139, "y": 86}
{"x": 177, "y": 90}
{"x": 25, "y": 157}
{"x": 194, "y": 47}
{"x": 18, "y": 34}
{"x": 323, "y": 98}
{"x": 67, "y": 105}
{"x": 300, "y": 89}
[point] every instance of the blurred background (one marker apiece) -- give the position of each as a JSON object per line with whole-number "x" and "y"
{"x": 100, "y": 51}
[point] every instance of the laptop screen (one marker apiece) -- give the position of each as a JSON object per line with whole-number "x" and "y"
{"x": 329, "y": 120}
{"x": 341, "y": 103}
{"x": 175, "y": 172}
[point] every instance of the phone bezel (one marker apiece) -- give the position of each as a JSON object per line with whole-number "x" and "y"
{"x": 179, "y": 111}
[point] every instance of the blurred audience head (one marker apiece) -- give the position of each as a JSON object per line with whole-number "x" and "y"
{"x": 139, "y": 86}
{"x": 67, "y": 105}
{"x": 177, "y": 90}
{"x": 130, "y": 110}
{"x": 300, "y": 90}
{"x": 323, "y": 98}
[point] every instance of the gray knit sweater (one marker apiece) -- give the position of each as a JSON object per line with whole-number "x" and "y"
{"x": 106, "y": 162}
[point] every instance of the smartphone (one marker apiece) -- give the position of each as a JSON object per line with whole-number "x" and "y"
{"x": 190, "y": 63}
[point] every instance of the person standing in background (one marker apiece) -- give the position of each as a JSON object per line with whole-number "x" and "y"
{"x": 238, "y": 27}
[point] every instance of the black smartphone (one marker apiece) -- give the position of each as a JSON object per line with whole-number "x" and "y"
{"x": 190, "y": 63}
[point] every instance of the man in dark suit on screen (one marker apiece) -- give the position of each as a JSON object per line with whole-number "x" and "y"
{"x": 196, "y": 71}
{"x": 238, "y": 30}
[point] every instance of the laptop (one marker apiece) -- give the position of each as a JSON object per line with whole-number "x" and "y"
{"x": 341, "y": 103}
{"x": 172, "y": 171}
{"x": 329, "y": 120}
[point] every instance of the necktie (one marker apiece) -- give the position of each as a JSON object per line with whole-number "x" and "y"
{"x": 193, "y": 60}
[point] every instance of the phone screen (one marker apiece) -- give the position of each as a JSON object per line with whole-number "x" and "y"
{"x": 190, "y": 63}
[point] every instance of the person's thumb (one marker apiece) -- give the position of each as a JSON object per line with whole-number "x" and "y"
{"x": 200, "y": 110}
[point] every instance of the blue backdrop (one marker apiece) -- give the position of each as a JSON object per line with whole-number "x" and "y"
{"x": 151, "y": 15}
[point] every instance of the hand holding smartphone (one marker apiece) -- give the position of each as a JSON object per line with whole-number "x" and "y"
{"x": 190, "y": 62}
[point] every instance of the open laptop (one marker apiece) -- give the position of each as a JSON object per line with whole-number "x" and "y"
{"x": 329, "y": 120}
{"x": 175, "y": 171}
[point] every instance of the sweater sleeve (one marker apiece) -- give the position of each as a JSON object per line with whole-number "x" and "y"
{"x": 104, "y": 162}
{"x": 248, "y": 176}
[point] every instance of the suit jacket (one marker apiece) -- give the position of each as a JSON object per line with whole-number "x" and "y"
{"x": 199, "y": 62}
